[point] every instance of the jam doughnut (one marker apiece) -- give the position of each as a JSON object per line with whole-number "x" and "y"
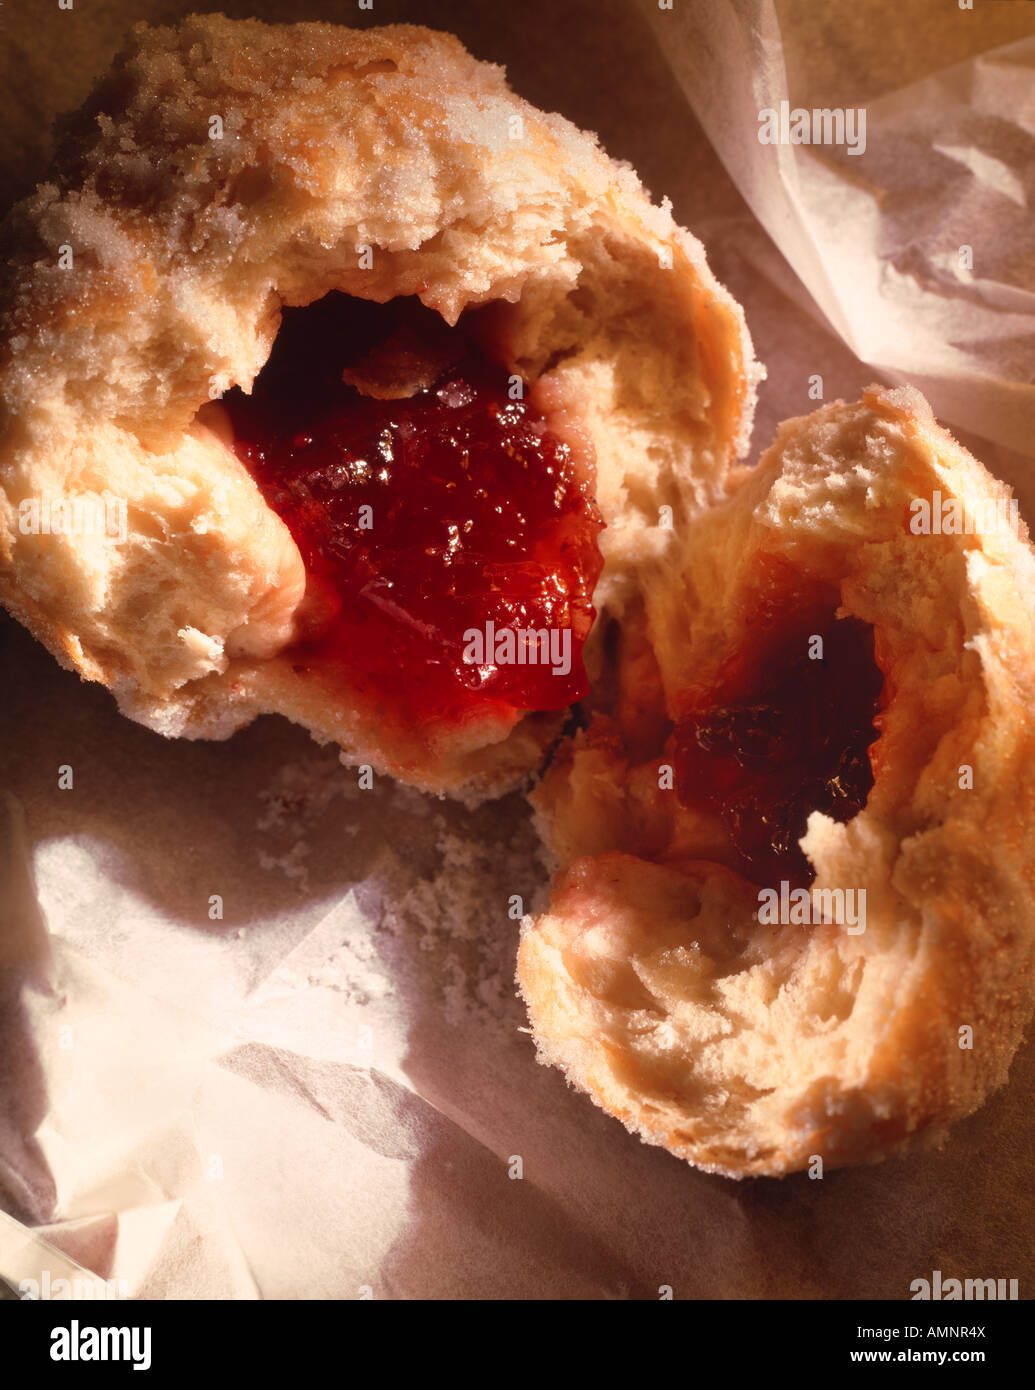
{"x": 394, "y": 380}
{"x": 798, "y": 925}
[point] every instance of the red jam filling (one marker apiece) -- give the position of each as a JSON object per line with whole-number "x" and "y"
{"x": 426, "y": 518}
{"x": 797, "y": 741}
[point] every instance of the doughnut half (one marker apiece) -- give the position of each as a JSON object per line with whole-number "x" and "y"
{"x": 148, "y": 275}
{"x": 749, "y": 1047}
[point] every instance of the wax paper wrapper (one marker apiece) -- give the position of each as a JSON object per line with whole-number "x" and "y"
{"x": 258, "y": 1028}
{"x": 914, "y": 237}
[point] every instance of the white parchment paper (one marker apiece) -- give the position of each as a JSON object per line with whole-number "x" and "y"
{"x": 916, "y": 242}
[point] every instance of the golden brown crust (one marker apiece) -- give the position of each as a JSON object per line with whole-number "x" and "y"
{"x": 750, "y": 1048}
{"x": 185, "y": 247}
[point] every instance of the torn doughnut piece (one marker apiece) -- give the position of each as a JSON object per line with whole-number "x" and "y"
{"x": 747, "y": 1017}
{"x": 387, "y": 253}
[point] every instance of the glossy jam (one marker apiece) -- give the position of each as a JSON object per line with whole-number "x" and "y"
{"x": 424, "y": 518}
{"x": 796, "y": 742}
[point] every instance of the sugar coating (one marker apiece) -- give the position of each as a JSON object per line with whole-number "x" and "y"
{"x": 437, "y": 885}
